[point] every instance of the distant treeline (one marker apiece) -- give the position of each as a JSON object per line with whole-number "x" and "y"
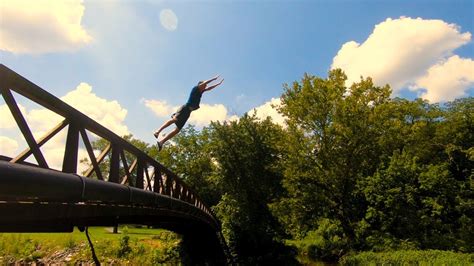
{"x": 353, "y": 170}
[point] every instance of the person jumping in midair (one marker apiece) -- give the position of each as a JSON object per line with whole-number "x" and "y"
{"x": 181, "y": 116}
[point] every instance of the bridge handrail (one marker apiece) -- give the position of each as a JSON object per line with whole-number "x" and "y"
{"x": 171, "y": 186}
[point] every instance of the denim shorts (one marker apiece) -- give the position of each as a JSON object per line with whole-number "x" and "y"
{"x": 181, "y": 116}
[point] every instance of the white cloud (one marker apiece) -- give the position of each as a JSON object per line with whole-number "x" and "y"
{"x": 207, "y": 113}
{"x": 168, "y": 19}
{"x": 42, "y": 26}
{"x": 159, "y": 108}
{"x": 233, "y": 118}
{"x": 41, "y": 121}
{"x": 447, "y": 80}
{"x": 6, "y": 118}
{"x": 400, "y": 51}
{"x": 269, "y": 109}
{"x": 107, "y": 113}
{"x": 8, "y": 146}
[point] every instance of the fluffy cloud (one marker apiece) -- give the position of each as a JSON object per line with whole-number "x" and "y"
{"x": 8, "y": 146}
{"x": 168, "y": 19}
{"x": 159, "y": 108}
{"x": 400, "y": 52}
{"x": 446, "y": 80}
{"x": 42, "y": 26}
{"x": 6, "y": 118}
{"x": 207, "y": 113}
{"x": 201, "y": 117}
{"x": 269, "y": 109}
{"x": 107, "y": 113}
{"x": 41, "y": 121}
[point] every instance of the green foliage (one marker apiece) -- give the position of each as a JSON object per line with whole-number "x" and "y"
{"x": 331, "y": 144}
{"x": 124, "y": 248}
{"x": 391, "y": 173}
{"x": 189, "y": 158}
{"x": 167, "y": 236}
{"x": 326, "y": 243}
{"x": 407, "y": 191}
{"x": 428, "y": 257}
{"x": 246, "y": 154}
{"x": 167, "y": 255}
{"x": 19, "y": 247}
{"x": 423, "y": 194}
{"x": 70, "y": 242}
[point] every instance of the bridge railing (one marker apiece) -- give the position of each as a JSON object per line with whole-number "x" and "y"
{"x": 127, "y": 164}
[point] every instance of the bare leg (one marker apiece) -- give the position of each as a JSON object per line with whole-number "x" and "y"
{"x": 170, "y": 135}
{"x": 165, "y": 125}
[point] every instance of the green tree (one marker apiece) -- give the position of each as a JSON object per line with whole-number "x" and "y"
{"x": 331, "y": 145}
{"x": 189, "y": 157}
{"x": 423, "y": 195}
{"x": 457, "y": 135}
{"x": 249, "y": 175}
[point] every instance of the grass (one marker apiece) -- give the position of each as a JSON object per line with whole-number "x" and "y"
{"x": 130, "y": 246}
{"x": 396, "y": 258}
{"x": 409, "y": 257}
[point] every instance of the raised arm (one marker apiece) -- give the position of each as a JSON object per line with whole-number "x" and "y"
{"x": 210, "y": 80}
{"x": 213, "y": 86}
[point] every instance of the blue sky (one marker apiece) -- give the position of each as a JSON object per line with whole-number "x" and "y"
{"x": 121, "y": 51}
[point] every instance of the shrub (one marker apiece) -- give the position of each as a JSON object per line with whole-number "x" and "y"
{"x": 166, "y": 255}
{"x": 70, "y": 242}
{"x": 326, "y": 243}
{"x": 124, "y": 247}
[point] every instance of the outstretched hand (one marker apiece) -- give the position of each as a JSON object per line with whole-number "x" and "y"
{"x": 215, "y": 85}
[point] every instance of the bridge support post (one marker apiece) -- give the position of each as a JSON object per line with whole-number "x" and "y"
{"x": 203, "y": 247}
{"x": 140, "y": 169}
{"x": 114, "y": 165}
{"x": 72, "y": 146}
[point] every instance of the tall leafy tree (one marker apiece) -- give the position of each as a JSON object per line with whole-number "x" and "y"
{"x": 457, "y": 134}
{"x": 247, "y": 156}
{"x": 331, "y": 145}
{"x": 423, "y": 194}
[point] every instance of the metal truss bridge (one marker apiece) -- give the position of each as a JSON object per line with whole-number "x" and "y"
{"x": 122, "y": 186}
